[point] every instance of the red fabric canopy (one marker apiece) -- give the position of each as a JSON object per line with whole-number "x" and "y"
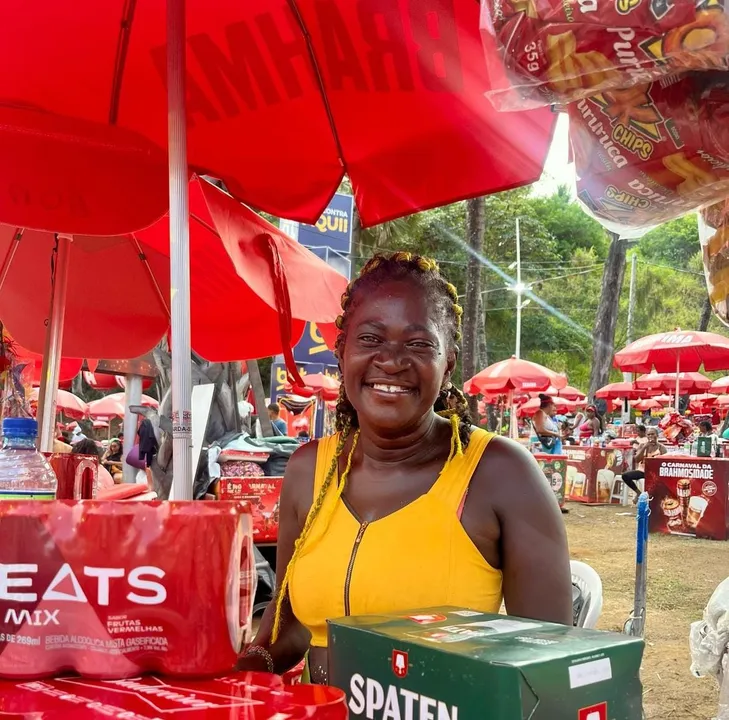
{"x": 66, "y": 402}
{"x": 620, "y": 390}
{"x": 283, "y": 98}
{"x": 113, "y": 405}
{"x": 70, "y": 367}
{"x": 563, "y": 405}
{"x": 690, "y": 350}
{"x": 514, "y": 375}
{"x": 688, "y": 382}
{"x": 245, "y": 276}
{"x": 316, "y": 384}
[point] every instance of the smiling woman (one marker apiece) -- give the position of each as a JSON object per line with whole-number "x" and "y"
{"x": 408, "y": 505}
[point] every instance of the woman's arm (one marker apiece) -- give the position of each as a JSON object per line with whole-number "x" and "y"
{"x": 535, "y": 558}
{"x": 296, "y": 499}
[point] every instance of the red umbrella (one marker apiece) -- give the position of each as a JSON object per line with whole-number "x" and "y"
{"x": 675, "y": 351}
{"x": 568, "y": 393}
{"x": 721, "y": 385}
{"x": 114, "y": 405}
{"x": 702, "y": 402}
{"x": 722, "y": 401}
{"x": 619, "y": 390}
{"x": 242, "y": 268}
{"x": 688, "y": 382}
{"x": 647, "y": 404}
{"x": 274, "y": 90}
{"x": 66, "y": 402}
{"x": 70, "y": 367}
{"x": 531, "y": 406}
{"x": 514, "y": 375}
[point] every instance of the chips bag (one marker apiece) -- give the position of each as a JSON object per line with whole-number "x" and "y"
{"x": 112, "y": 590}
{"x": 559, "y": 51}
{"x": 714, "y": 237}
{"x": 650, "y": 153}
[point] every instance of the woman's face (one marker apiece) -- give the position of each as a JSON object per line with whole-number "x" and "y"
{"x": 115, "y": 447}
{"x": 590, "y": 414}
{"x": 395, "y": 358}
{"x": 652, "y": 436}
{"x": 551, "y": 409}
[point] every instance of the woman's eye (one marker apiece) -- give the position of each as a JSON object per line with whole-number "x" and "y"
{"x": 419, "y": 344}
{"x": 368, "y": 338}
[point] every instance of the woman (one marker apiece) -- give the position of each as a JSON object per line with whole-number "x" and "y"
{"x": 89, "y": 447}
{"x": 112, "y": 460}
{"x": 546, "y": 428}
{"x": 650, "y": 448}
{"x": 593, "y": 425}
{"x": 406, "y": 508}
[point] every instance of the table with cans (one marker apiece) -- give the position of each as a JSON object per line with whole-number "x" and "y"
{"x": 689, "y": 495}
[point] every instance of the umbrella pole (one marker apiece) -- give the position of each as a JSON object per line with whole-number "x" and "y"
{"x": 513, "y": 426}
{"x": 678, "y": 379}
{"x": 132, "y": 396}
{"x": 47, "y": 394}
{"x": 179, "y": 255}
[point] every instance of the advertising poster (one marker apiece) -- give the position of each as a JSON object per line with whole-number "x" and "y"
{"x": 688, "y": 496}
{"x": 263, "y": 495}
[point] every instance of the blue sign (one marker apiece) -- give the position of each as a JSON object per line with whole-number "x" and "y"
{"x": 333, "y": 229}
{"x": 313, "y": 349}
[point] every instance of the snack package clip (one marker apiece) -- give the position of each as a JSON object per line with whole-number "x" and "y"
{"x": 555, "y": 52}
{"x": 653, "y": 152}
{"x": 113, "y": 590}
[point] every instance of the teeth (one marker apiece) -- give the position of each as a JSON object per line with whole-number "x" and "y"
{"x": 390, "y": 388}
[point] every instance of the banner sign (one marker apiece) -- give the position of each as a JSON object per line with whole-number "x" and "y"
{"x": 313, "y": 349}
{"x": 334, "y": 228}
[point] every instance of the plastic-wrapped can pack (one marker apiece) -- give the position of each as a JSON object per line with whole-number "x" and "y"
{"x": 653, "y": 152}
{"x": 239, "y": 696}
{"x": 559, "y": 52}
{"x": 111, "y": 590}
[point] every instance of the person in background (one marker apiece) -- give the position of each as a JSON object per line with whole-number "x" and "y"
{"x": 706, "y": 429}
{"x": 112, "y": 459}
{"x": 650, "y": 448}
{"x": 567, "y": 434}
{"x": 279, "y": 426}
{"x": 89, "y": 447}
{"x": 593, "y": 425}
{"x": 148, "y": 446}
{"x": 640, "y": 439}
{"x": 303, "y": 436}
{"x": 546, "y": 428}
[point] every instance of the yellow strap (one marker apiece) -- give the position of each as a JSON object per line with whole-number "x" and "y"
{"x": 324, "y": 453}
{"x": 456, "y": 476}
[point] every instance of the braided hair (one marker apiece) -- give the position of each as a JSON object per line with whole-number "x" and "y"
{"x": 451, "y": 402}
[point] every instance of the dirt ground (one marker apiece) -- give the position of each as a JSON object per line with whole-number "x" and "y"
{"x": 682, "y": 574}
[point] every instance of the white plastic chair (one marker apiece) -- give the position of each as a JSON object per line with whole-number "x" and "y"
{"x": 590, "y": 586}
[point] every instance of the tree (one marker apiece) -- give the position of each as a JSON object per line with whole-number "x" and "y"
{"x": 606, "y": 319}
{"x": 674, "y": 243}
{"x": 472, "y": 322}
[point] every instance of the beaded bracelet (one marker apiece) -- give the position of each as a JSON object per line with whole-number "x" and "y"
{"x": 261, "y": 652}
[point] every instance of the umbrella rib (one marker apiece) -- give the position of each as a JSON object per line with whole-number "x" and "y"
{"x": 319, "y": 80}
{"x": 10, "y": 255}
{"x": 121, "y": 58}
{"x": 142, "y": 256}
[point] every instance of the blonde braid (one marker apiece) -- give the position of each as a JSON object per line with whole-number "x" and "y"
{"x": 313, "y": 512}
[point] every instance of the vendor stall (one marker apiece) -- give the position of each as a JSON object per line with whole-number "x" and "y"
{"x": 593, "y": 473}
{"x": 688, "y": 495}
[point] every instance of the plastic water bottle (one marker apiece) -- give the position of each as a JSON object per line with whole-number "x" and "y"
{"x": 24, "y": 473}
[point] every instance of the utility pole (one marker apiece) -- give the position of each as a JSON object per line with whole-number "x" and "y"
{"x": 628, "y": 377}
{"x": 519, "y": 289}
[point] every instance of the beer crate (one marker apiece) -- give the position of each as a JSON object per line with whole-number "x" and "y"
{"x": 448, "y": 663}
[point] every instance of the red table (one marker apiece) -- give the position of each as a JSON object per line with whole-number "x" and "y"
{"x": 554, "y": 468}
{"x": 688, "y": 496}
{"x": 263, "y": 494}
{"x": 592, "y": 473}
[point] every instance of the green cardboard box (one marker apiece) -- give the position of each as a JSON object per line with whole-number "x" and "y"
{"x": 448, "y": 663}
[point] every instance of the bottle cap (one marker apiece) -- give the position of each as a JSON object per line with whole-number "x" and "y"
{"x": 20, "y": 427}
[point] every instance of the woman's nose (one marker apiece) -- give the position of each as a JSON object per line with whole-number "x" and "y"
{"x": 391, "y": 357}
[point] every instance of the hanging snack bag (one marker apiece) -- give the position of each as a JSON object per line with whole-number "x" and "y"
{"x": 650, "y": 153}
{"x": 714, "y": 237}
{"x": 559, "y": 52}
{"x": 112, "y": 590}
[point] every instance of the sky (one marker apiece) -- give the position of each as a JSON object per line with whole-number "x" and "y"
{"x": 557, "y": 171}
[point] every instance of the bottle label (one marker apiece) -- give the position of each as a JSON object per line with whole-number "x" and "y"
{"x": 27, "y": 495}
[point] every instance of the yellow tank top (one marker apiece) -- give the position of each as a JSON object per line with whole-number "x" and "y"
{"x": 417, "y": 557}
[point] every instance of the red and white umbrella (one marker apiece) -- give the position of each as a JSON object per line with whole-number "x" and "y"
{"x": 66, "y": 402}
{"x": 114, "y": 405}
{"x": 325, "y": 386}
{"x": 720, "y": 386}
{"x": 562, "y": 404}
{"x": 514, "y": 375}
{"x": 620, "y": 390}
{"x": 675, "y": 352}
{"x": 687, "y": 382}
{"x": 702, "y": 402}
{"x": 647, "y": 404}
{"x": 568, "y": 393}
